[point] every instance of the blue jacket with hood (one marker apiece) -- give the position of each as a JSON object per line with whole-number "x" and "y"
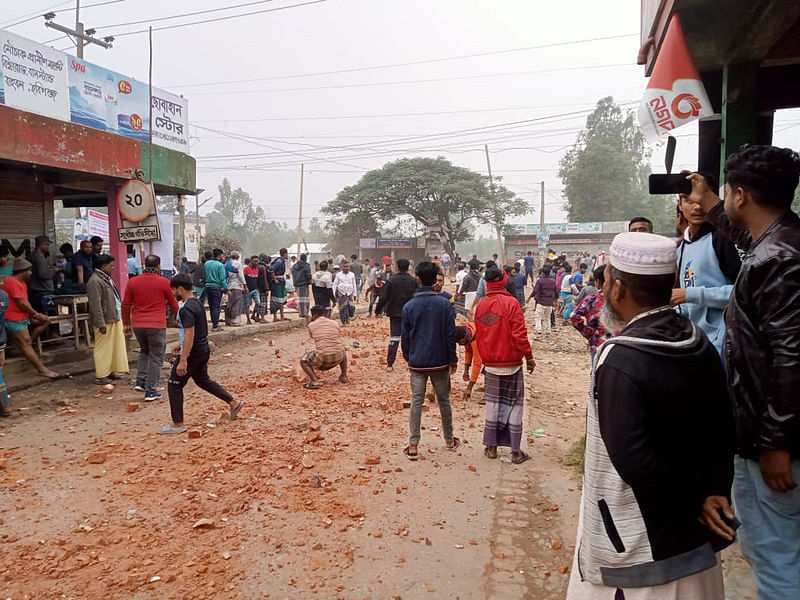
{"x": 708, "y": 264}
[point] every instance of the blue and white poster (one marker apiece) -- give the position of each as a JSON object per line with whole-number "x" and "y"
{"x": 41, "y": 80}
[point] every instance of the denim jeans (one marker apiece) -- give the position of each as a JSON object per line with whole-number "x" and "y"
{"x": 770, "y": 531}
{"x": 152, "y": 343}
{"x": 441, "y": 385}
{"x": 214, "y": 304}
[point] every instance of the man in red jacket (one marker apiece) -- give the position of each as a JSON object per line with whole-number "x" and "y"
{"x": 144, "y": 308}
{"x": 502, "y": 344}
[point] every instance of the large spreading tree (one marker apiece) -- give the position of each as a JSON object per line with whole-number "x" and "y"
{"x": 432, "y": 191}
{"x": 605, "y": 172}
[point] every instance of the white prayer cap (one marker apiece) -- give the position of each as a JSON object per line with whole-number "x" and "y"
{"x": 643, "y": 254}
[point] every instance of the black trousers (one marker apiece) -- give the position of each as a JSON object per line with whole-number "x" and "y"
{"x": 395, "y": 329}
{"x": 196, "y": 369}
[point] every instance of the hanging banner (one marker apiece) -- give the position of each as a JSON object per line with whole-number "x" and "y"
{"x": 41, "y": 80}
{"x": 675, "y": 94}
{"x": 34, "y": 77}
{"x": 97, "y": 224}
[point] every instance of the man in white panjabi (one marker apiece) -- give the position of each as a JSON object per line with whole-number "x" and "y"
{"x": 655, "y": 508}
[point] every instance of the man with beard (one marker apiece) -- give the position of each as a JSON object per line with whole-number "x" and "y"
{"x": 762, "y": 338}
{"x": 649, "y": 525}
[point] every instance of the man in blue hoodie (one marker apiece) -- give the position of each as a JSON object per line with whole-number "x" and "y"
{"x": 428, "y": 342}
{"x": 708, "y": 264}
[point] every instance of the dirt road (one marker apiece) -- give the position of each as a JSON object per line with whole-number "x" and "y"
{"x": 306, "y": 495}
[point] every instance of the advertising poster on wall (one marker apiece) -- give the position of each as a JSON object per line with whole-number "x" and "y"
{"x": 97, "y": 223}
{"x": 33, "y": 77}
{"x": 41, "y": 80}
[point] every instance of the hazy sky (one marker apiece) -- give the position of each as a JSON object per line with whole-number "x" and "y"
{"x": 290, "y": 111}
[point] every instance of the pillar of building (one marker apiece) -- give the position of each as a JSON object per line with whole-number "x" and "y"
{"x": 118, "y": 249}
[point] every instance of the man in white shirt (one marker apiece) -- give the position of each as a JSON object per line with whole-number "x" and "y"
{"x": 344, "y": 290}
{"x": 460, "y": 278}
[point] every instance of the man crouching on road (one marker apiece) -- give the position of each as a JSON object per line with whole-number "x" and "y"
{"x": 329, "y": 351}
{"x": 659, "y": 443}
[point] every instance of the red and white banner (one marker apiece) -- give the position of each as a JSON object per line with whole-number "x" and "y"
{"x": 675, "y": 94}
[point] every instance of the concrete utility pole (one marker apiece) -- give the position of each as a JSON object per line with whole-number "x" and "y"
{"x": 502, "y": 251}
{"x": 81, "y": 37}
{"x": 541, "y": 211}
{"x": 300, "y": 213}
{"x": 182, "y": 223}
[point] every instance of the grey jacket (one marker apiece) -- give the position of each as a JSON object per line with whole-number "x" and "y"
{"x": 43, "y": 274}
{"x": 103, "y": 300}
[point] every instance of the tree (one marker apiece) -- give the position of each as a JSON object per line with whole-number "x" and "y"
{"x": 236, "y": 217}
{"x": 167, "y": 205}
{"x": 433, "y": 191}
{"x": 343, "y": 233}
{"x": 605, "y": 172}
{"x": 215, "y": 239}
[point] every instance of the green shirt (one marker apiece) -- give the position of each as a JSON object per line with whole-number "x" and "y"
{"x": 215, "y": 275}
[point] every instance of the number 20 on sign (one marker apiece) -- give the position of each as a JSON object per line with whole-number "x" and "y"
{"x": 135, "y": 201}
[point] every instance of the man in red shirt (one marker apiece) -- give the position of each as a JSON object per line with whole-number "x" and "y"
{"x": 144, "y": 309}
{"x": 20, "y": 314}
{"x": 502, "y": 344}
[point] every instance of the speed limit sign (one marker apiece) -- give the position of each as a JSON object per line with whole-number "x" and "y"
{"x": 135, "y": 201}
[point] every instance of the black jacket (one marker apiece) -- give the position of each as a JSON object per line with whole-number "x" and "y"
{"x": 659, "y": 440}
{"x": 301, "y": 274}
{"x": 398, "y": 290}
{"x": 762, "y": 340}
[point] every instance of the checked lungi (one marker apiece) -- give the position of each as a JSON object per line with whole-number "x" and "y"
{"x": 302, "y": 299}
{"x": 504, "y": 396}
{"x": 263, "y": 303}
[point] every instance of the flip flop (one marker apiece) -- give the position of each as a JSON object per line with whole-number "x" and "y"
{"x": 456, "y": 444}
{"x": 235, "y": 411}
{"x": 523, "y": 456}
{"x": 409, "y": 455}
{"x": 489, "y": 454}
{"x": 311, "y": 386}
{"x": 169, "y": 429}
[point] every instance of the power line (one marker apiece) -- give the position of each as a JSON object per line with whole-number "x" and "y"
{"x": 217, "y": 19}
{"x": 190, "y": 14}
{"x": 31, "y": 16}
{"x": 39, "y": 13}
{"x": 413, "y": 62}
{"x": 393, "y": 115}
{"x": 409, "y": 81}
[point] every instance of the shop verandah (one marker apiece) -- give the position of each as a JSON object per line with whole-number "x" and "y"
{"x": 45, "y": 161}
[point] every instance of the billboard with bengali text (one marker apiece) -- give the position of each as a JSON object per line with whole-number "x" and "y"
{"x": 41, "y": 80}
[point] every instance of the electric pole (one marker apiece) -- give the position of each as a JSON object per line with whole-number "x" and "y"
{"x": 81, "y": 36}
{"x": 541, "y": 211}
{"x": 502, "y": 251}
{"x": 300, "y": 213}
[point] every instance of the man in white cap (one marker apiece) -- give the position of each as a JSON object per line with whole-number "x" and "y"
{"x": 659, "y": 443}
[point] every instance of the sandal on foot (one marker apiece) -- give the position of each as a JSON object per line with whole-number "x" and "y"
{"x": 311, "y": 386}
{"x": 523, "y": 456}
{"x": 456, "y": 444}
{"x": 410, "y": 455}
{"x": 235, "y": 411}
{"x": 344, "y": 380}
{"x": 169, "y": 429}
{"x": 489, "y": 453}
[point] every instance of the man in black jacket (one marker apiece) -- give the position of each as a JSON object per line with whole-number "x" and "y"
{"x": 397, "y": 291}
{"x": 659, "y": 442}
{"x": 301, "y": 277}
{"x": 762, "y": 356}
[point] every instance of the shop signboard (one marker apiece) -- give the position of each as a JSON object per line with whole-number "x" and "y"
{"x": 395, "y": 242}
{"x": 366, "y": 243}
{"x": 41, "y": 80}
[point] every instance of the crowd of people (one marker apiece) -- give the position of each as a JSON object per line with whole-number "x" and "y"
{"x": 693, "y": 422}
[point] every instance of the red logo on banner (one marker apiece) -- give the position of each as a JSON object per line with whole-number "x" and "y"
{"x": 78, "y": 67}
{"x": 694, "y": 106}
{"x": 136, "y": 122}
{"x": 124, "y": 87}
